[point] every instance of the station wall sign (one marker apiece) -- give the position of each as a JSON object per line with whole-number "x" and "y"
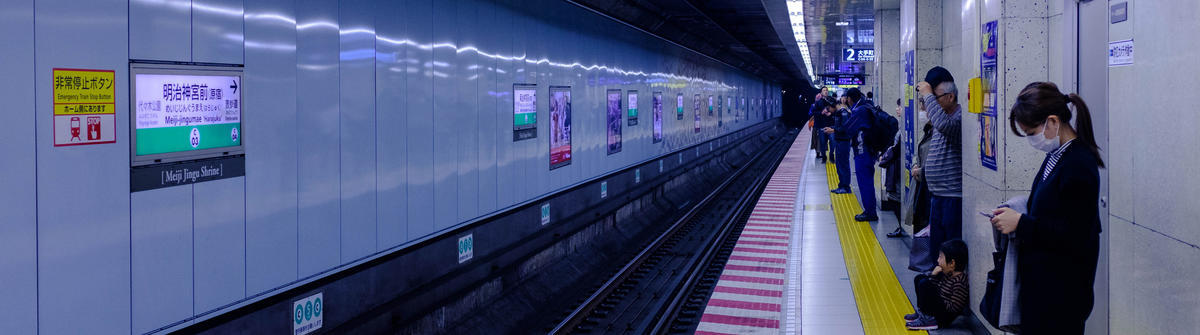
{"x": 181, "y": 113}
{"x": 84, "y": 107}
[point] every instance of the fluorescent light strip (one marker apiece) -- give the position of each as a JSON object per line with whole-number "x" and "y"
{"x": 796, "y": 14}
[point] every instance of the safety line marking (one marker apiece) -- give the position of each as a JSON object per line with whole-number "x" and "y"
{"x": 880, "y": 298}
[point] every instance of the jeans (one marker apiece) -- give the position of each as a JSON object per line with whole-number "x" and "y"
{"x": 929, "y": 301}
{"x": 945, "y": 219}
{"x": 822, "y": 143}
{"x": 842, "y": 160}
{"x": 864, "y": 169}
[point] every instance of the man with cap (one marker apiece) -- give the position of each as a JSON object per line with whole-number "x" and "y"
{"x": 943, "y": 170}
{"x": 820, "y": 121}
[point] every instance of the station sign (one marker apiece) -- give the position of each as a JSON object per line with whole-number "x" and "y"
{"x": 860, "y": 55}
{"x": 308, "y": 314}
{"x": 84, "y": 107}
{"x": 524, "y": 111}
{"x": 466, "y": 248}
{"x": 182, "y": 113}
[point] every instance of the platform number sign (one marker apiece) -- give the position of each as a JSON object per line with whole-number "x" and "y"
{"x": 308, "y": 314}
{"x": 466, "y": 248}
{"x": 194, "y": 138}
{"x": 545, "y": 213}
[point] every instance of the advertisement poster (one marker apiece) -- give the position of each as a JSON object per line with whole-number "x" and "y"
{"x": 720, "y": 110}
{"x": 656, "y": 109}
{"x": 742, "y": 107}
{"x": 178, "y": 113}
{"x": 696, "y": 111}
{"x": 633, "y": 107}
{"x": 679, "y": 106}
{"x": 987, "y": 119}
{"x": 614, "y": 121}
{"x": 560, "y": 126}
{"x": 524, "y": 111}
{"x": 910, "y": 114}
{"x": 710, "y": 105}
{"x": 729, "y": 108}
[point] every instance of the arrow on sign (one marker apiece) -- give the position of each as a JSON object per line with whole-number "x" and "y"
{"x": 234, "y": 87}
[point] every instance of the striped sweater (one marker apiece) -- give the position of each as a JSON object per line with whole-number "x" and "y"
{"x": 953, "y": 290}
{"x": 943, "y": 172}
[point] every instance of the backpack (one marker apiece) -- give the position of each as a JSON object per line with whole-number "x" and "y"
{"x": 882, "y": 131}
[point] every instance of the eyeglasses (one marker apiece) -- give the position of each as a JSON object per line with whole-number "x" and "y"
{"x": 939, "y": 96}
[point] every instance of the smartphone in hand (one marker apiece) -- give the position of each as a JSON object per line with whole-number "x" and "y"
{"x": 988, "y": 215}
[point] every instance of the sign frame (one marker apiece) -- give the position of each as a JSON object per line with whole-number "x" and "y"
{"x": 524, "y": 132}
{"x": 228, "y": 70}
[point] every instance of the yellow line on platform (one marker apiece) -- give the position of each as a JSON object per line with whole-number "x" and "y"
{"x": 880, "y": 298}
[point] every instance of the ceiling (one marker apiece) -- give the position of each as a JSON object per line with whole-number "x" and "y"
{"x": 754, "y": 35}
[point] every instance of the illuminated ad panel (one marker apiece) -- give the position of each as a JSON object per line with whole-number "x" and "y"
{"x": 696, "y": 112}
{"x": 524, "y": 111}
{"x": 632, "y": 110}
{"x": 679, "y": 106}
{"x": 720, "y": 111}
{"x": 656, "y": 109}
{"x": 614, "y": 121}
{"x": 560, "y": 126}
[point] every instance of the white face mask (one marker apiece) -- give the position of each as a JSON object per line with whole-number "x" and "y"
{"x": 1040, "y": 142}
{"x": 922, "y": 117}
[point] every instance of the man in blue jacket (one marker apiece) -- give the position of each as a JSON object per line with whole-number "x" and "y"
{"x": 840, "y": 117}
{"x": 858, "y": 128}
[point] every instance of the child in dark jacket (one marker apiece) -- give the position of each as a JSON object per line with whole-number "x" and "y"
{"x": 941, "y": 295}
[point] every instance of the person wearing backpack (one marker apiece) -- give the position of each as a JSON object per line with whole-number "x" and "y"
{"x": 861, "y": 128}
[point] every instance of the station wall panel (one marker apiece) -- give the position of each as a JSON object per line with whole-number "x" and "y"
{"x": 218, "y": 243}
{"x": 160, "y": 30}
{"x": 162, "y": 259}
{"x": 271, "y": 154}
{"x": 358, "y": 178}
{"x": 18, "y": 229}
{"x": 318, "y": 120}
{"x": 83, "y": 213}
{"x": 218, "y": 33}
{"x": 391, "y": 127}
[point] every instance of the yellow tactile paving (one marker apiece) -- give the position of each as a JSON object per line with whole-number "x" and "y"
{"x": 879, "y": 296}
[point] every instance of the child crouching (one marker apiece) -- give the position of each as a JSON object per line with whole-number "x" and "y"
{"x": 942, "y": 294}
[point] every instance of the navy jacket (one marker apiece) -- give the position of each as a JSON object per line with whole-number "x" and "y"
{"x": 819, "y": 119}
{"x": 1059, "y": 243}
{"x": 853, "y": 122}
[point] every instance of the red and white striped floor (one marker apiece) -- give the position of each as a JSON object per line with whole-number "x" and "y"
{"x": 750, "y": 296}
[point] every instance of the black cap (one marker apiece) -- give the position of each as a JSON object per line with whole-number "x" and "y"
{"x": 937, "y": 75}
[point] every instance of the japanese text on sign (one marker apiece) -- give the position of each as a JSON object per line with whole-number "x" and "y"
{"x": 84, "y": 107}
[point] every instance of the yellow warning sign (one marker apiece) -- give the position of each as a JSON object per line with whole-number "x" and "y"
{"x": 75, "y": 86}
{"x": 75, "y": 109}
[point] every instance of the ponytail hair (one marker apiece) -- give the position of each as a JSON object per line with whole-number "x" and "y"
{"x": 1039, "y": 100}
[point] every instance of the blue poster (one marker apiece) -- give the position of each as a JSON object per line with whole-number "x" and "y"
{"x": 987, "y": 117}
{"x": 910, "y": 134}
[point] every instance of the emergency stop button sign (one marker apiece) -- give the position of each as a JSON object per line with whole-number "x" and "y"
{"x": 84, "y": 107}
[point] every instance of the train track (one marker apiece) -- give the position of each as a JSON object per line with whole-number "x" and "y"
{"x": 664, "y": 288}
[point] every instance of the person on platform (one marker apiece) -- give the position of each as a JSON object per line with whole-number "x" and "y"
{"x": 943, "y": 169}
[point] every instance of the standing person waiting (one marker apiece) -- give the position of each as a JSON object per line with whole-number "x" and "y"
{"x": 943, "y": 169}
{"x": 890, "y": 161}
{"x": 864, "y": 158}
{"x": 841, "y": 146}
{"x": 821, "y": 120}
{"x": 1059, "y": 237}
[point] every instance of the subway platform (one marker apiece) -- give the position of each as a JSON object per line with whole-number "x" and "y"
{"x": 804, "y": 266}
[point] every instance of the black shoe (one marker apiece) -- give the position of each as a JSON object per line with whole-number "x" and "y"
{"x": 898, "y": 233}
{"x": 840, "y": 190}
{"x": 864, "y": 218}
{"x": 889, "y": 205}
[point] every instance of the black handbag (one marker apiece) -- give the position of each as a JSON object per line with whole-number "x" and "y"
{"x": 989, "y": 307}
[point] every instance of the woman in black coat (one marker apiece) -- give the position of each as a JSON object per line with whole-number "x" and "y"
{"x": 1059, "y": 237}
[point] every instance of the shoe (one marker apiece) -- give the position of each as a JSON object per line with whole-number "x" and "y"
{"x": 912, "y": 317}
{"x": 923, "y": 322}
{"x": 840, "y": 190}
{"x": 889, "y": 205}
{"x": 898, "y": 233}
{"x": 864, "y": 218}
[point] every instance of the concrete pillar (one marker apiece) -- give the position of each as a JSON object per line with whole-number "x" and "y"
{"x": 920, "y": 50}
{"x": 886, "y": 72}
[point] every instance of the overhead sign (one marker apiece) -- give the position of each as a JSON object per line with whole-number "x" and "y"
{"x": 84, "y": 107}
{"x": 308, "y": 314}
{"x": 182, "y": 113}
{"x": 524, "y": 112}
{"x": 1120, "y": 53}
{"x": 862, "y": 55}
